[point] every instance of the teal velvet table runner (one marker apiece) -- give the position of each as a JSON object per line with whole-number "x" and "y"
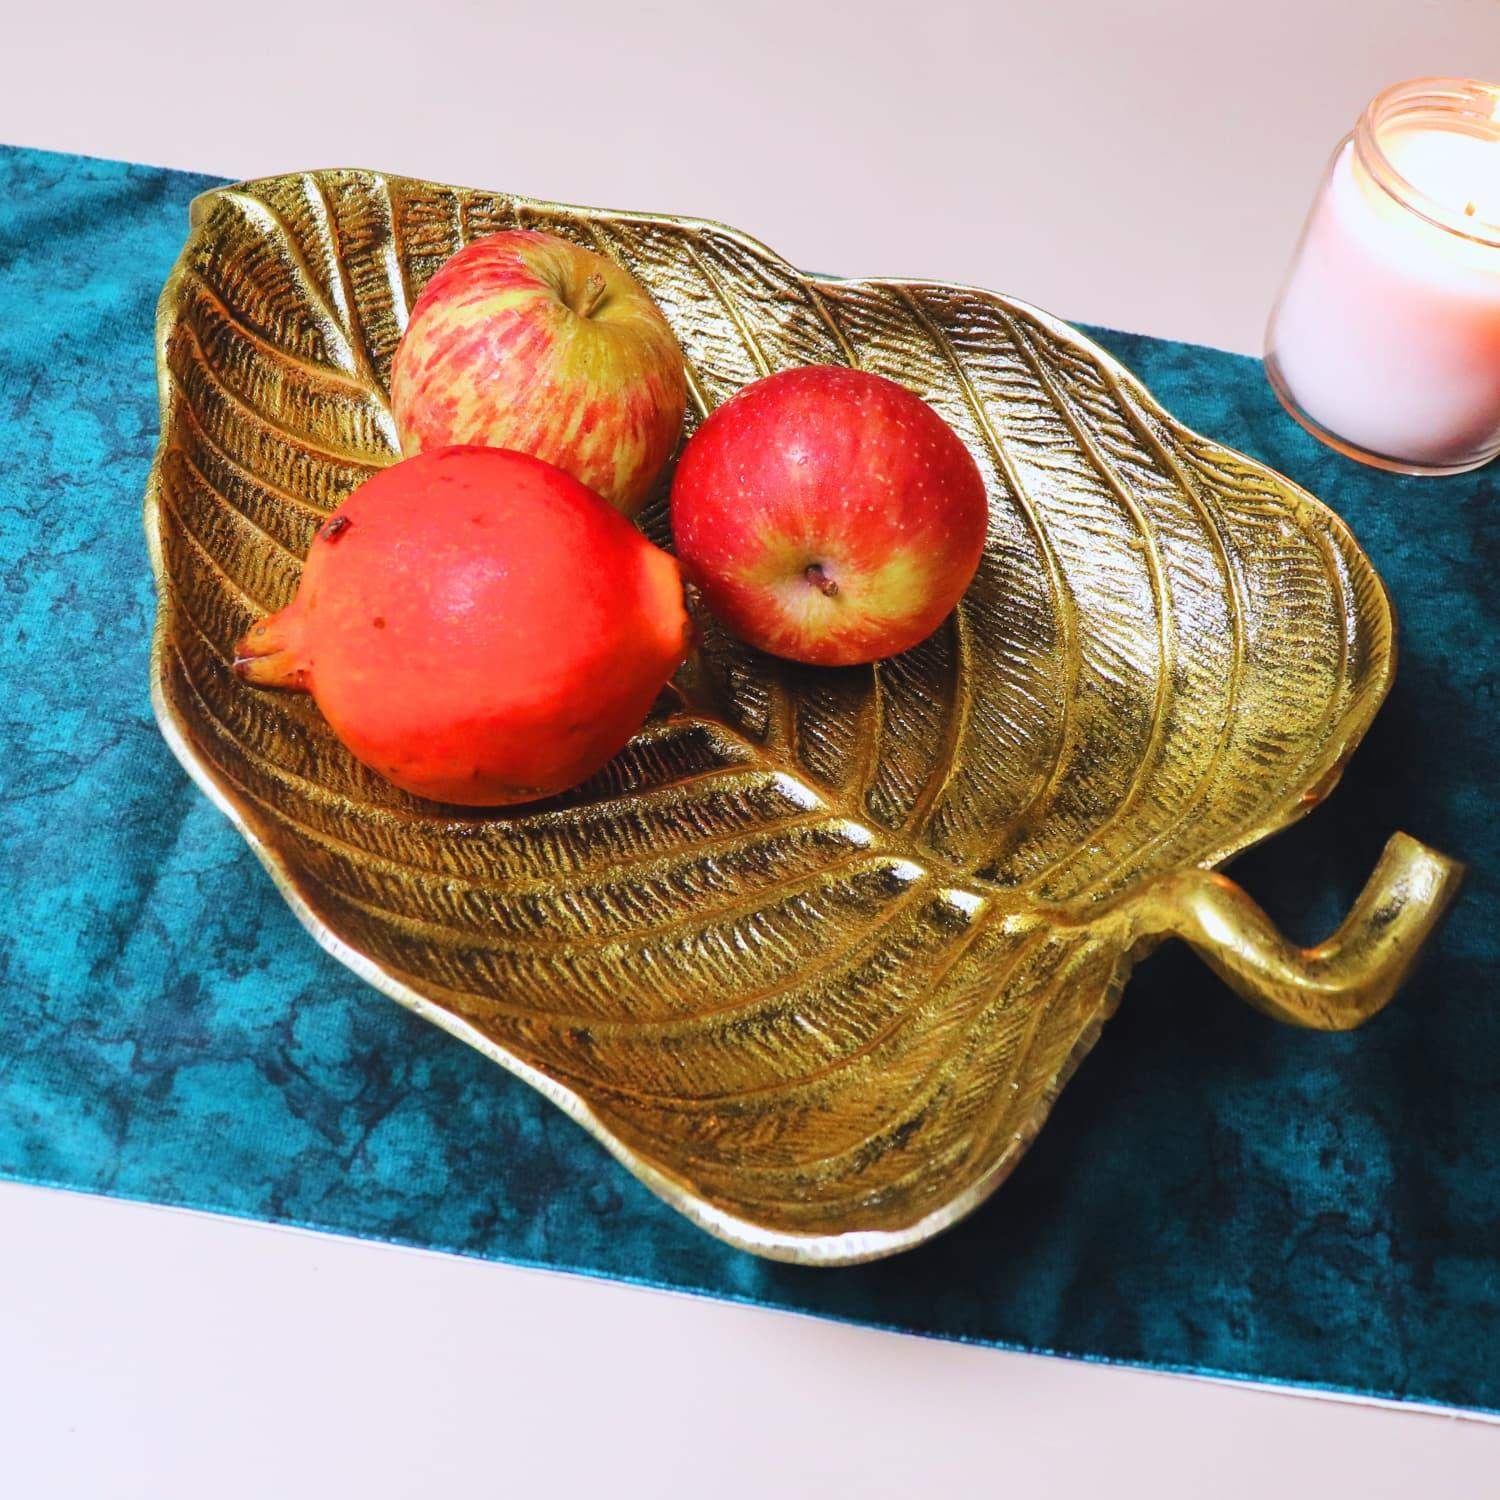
{"x": 1214, "y": 1193}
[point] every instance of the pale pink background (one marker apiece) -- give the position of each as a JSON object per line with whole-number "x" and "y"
{"x": 1141, "y": 163}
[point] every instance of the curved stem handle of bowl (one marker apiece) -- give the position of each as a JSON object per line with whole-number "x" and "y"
{"x": 1340, "y": 982}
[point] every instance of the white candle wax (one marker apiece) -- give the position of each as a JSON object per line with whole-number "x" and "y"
{"x": 1388, "y": 331}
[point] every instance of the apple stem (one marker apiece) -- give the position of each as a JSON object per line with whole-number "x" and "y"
{"x": 593, "y": 293}
{"x": 820, "y": 580}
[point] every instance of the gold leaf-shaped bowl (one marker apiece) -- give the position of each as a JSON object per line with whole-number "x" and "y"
{"x": 813, "y": 956}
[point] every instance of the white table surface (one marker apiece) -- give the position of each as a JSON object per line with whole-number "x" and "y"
{"x": 1141, "y": 164}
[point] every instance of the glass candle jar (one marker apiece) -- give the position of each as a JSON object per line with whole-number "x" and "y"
{"x": 1385, "y": 342}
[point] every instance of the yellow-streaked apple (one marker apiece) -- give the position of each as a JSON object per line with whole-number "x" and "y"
{"x": 526, "y": 341}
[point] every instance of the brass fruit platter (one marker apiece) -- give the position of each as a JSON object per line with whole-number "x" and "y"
{"x": 815, "y": 955}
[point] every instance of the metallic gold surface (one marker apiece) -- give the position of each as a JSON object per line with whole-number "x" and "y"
{"x": 814, "y": 956}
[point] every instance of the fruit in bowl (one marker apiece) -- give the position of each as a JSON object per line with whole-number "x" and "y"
{"x": 526, "y": 341}
{"x": 828, "y": 515}
{"x": 477, "y": 627}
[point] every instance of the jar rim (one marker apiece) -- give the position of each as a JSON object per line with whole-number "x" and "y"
{"x": 1463, "y": 105}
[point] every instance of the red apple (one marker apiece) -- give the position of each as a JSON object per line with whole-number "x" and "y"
{"x": 526, "y": 341}
{"x": 477, "y": 627}
{"x": 828, "y": 515}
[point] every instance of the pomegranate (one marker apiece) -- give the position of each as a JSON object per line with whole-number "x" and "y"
{"x": 477, "y": 627}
